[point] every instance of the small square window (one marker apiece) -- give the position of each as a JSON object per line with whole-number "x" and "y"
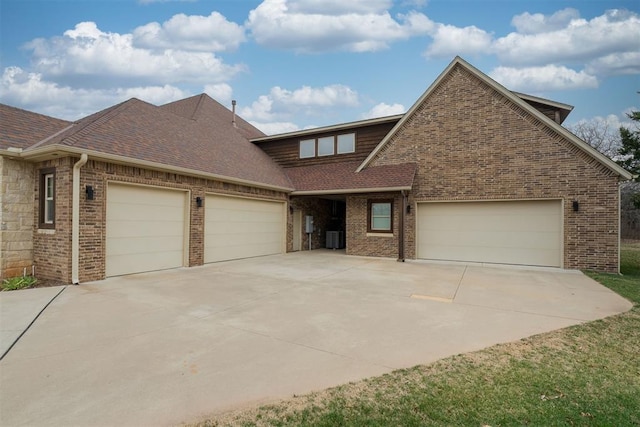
{"x": 380, "y": 215}
{"x": 326, "y": 146}
{"x": 307, "y": 148}
{"x": 346, "y": 143}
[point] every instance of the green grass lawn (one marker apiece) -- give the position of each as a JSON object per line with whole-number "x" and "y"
{"x": 585, "y": 375}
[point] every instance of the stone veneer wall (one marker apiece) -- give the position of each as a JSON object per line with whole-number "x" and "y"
{"x": 16, "y": 217}
{"x": 53, "y": 249}
{"x": 472, "y": 143}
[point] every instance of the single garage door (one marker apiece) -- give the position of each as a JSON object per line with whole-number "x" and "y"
{"x": 145, "y": 229}
{"x": 242, "y": 228}
{"x": 514, "y": 232}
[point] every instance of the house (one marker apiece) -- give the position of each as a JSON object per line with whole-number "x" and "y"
{"x": 471, "y": 172}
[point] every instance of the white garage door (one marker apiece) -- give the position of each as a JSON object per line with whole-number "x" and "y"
{"x": 241, "y": 228}
{"x": 145, "y": 229}
{"x": 518, "y": 232}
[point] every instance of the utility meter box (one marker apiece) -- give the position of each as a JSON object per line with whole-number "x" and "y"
{"x": 308, "y": 224}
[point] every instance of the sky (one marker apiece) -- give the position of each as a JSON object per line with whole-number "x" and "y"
{"x": 297, "y": 64}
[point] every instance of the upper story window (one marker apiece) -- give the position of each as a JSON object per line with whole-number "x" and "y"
{"x": 47, "y": 190}
{"x": 307, "y": 148}
{"x": 346, "y": 143}
{"x": 328, "y": 145}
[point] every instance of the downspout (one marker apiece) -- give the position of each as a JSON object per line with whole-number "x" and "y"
{"x": 403, "y": 210}
{"x": 75, "y": 220}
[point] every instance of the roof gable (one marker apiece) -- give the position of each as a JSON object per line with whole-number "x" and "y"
{"x": 515, "y": 99}
{"x": 21, "y": 129}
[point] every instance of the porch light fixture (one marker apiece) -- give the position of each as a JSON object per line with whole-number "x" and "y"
{"x": 408, "y": 209}
{"x": 576, "y": 206}
{"x": 89, "y": 192}
{"x": 199, "y": 202}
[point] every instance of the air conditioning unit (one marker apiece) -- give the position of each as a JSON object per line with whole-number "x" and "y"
{"x": 335, "y": 239}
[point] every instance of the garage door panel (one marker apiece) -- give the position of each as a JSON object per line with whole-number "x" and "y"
{"x": 145, "y": 229}
{"x": 241, "y": 228}
{"x": 518, "y": 232}
{"x": 124, "y": 229}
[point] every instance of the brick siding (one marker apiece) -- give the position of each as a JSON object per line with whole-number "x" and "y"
{"x": 52, "y": 249}
{"x": 472, "y": 143}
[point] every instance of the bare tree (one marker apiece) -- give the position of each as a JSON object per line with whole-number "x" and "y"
{"x": 599, "y": 134}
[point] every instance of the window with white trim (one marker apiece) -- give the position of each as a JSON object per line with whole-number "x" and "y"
{"x": 346, "y": 143}
{"x": 328, "y": 145}
{"x": 307, "y": 148}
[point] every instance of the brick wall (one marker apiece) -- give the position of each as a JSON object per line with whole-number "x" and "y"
{"x": 361, "y": 243}
{"x": 472, "y": 143}
{"x": 320, "y": 210}
{"x": 16, "y": 217}
{"x": 53, "y": 248}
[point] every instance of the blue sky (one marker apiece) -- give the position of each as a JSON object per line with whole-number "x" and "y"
{"x": 294, "y": 64}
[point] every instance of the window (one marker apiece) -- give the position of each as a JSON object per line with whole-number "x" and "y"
{"x": 346, "y": 143}
{"x": 307, "y": 148}
{"x": 328, "y": 145}
{"x": 325, "y": 146}
{"x": 380, "y": 216}
{"x": 47, "y": 198}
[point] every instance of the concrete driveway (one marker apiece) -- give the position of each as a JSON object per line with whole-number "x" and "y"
{"x": 167, "y": 347}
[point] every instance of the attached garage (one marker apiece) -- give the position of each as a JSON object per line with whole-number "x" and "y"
{"x": 146, "y": 229}
{"x": 237, "y": 227}
{"x": 506, "y": 232}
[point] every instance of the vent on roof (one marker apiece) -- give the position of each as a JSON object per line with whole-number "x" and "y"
{"x": 233, "y": 112}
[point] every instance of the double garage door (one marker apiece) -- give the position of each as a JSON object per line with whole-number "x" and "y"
{"x": 148, "y": 228}
{"x": 510, "y": 232}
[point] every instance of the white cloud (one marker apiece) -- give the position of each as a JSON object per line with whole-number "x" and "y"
{"x": 213, "y": 33}
{"x": 90, "y": 57}
{"x": 30, "y": 91}
{"x": 545, "y": 78}
{"x": 282, "y": 103}
{"x": 615, "y": 64}
{"x": 449, "y": 40}
{"x": 578, "y": 41}
{"x": 382, "y": 110}
{"x": 275, "y": 128}
{"x": 338, "y": 7}
{"x": 221, "y": 92}
{"x": 348, "y": 26}
{"x": 536, "y": 23}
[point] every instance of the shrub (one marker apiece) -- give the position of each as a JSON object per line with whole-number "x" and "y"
{"x": 15, "y": 283}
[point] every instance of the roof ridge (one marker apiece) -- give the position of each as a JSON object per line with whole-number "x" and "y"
{"x": 88, "y": 123}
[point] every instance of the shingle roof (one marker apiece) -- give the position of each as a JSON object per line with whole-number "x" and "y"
{"x": 195, "y": 134}
{"x": 21, "y": 129}
{"x": 342, "y": 178}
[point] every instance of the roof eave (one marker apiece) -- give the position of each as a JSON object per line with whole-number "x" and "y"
{"x": 331, "y": 128}
{"x": 49, "y": 150}
{"x": 351, "y": 191}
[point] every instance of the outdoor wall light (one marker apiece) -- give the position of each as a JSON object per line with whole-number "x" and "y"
{"x": 576, "y": 206}
{"x": 199, "y": 202}
{"x": 291, "y": 210}
{"x": 89, "y": 191}
{"x": 408, "y": 209}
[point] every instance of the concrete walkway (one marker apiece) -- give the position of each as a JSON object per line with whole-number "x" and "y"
{"x": 169, "y": 347}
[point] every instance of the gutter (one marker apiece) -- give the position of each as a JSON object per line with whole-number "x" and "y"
{"x": 75, "y": 220}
